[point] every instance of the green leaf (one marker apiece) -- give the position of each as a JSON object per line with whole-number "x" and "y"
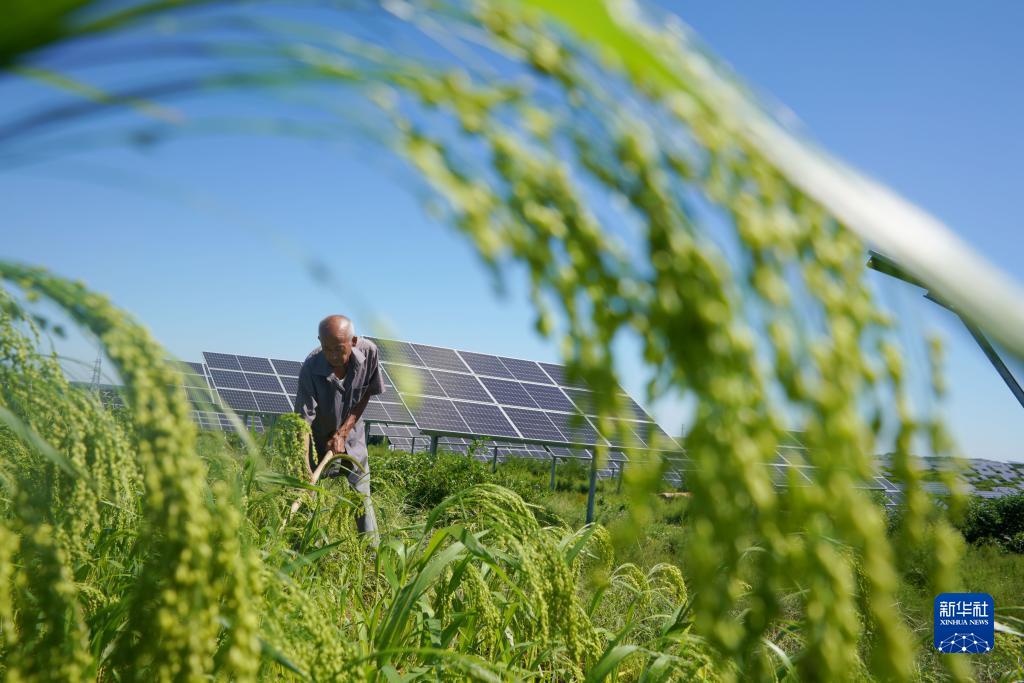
{"x": 268, "y": 650}
{"x": 609, "y": 661}
{"x": 309, "y": 558}
{"x": 286, "y": 481}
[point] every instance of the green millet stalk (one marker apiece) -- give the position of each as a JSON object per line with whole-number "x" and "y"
{"x": 173, "y": 623}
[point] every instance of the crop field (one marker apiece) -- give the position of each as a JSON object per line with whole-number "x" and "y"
{"x": 638, "y": 195}
{"x": 134, "y": 543}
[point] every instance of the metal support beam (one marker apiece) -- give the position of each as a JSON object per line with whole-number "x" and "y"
{"x": 494, "y": 460}
{"x": 433, "y": 444}
{"x": 272, "y": 430}
{"x": 554, "y": 462}
{"x": 996, "y": 361}
{"x": 622, "y": 468}
{"x": 593, "y": 488}
{"x": 884, "y": 264}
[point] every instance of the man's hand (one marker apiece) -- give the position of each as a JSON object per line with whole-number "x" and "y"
{"x": 337, "y": 442}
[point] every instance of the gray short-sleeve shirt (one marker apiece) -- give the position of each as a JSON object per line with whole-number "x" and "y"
{"x": 324, "y": 400}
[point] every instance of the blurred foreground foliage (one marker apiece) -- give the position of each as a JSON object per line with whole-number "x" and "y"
{"x": 638, "y": 211}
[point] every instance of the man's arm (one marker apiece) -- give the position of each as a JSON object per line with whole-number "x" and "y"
{"x": 374, "y": 386}
{"x": 355, "y": 414}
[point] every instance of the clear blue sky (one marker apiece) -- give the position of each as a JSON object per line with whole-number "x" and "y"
{"x": 925, "y": 97}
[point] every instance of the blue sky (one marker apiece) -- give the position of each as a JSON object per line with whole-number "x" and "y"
{"x": 208, "y": 240}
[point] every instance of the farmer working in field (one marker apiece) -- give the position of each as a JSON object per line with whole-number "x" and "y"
{"x": 335, "y": 384}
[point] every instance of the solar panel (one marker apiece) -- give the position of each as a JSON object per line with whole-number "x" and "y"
{"x": 558, "y": 374}
{"x": 436, "y": 357}
{"x": 396, "y": 412}
{"x": 259, "y": 389}
{"x": 286, "y": 368}
{"x": 575, "y": 428}
{"x": 582, "y": 399}
{"x": 437, "y": 415}
{"x": 476, "y": 379}
{"x": 397, "y": 352}
{"x": 390, "y": 430}
{"x": 389, "y": 395}
{"x": 549, "y": 397}
{"x": 414, "y": 381}
{"x": 525, "y": 370}
{"x": 192, "y": 379}
{"x": 633, "y": 408}
{"x": 509, "y": 393}
{"x": 485, "y": 419}
{"x": 533, "y": 424}
{"x": 253, "y": 364}
{"x": 461, "y": 386}
{"x": 200, "y": 397}
{"x": 211, "y": 420}
{"x": 226, "y": 379}
{"x": 566, "y": 452}
{"x": 483, "y": 364}
{"x": 584, "y": 402}
{"x": 238, "y": 400}
{"x": 272, "y": 403}
{"x": 649, "y": 432}
{"x": 442, "y": 391}
{"x": 522, "y": 450}
{"x": 263, "y": 382}
{"x": 555, "y": 372}
{"x": 291, "y": 385}
{"x": 376, "y": 412}
{"x": 454, "y": 445}
{"x": 221, "y": 361}
{"x": 886, "y": 484}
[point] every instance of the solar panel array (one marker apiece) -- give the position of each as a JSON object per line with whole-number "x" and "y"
{"x": 206, "y": 412}
{"x": 507, "y": 404}
{"x": 405, "y": 438}
{"x": 475, "y": 395}
{"x": 254, "y": 384}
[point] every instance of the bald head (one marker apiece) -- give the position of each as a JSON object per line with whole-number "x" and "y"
{"x": 336, "y": 326}
{"x": 337, "y": 337}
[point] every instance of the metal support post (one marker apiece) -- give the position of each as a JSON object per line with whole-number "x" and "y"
{"x": 366, "y": 431}
{"x": 996, "y": 361}
{"x": 554, "y": 462}
{"x": 593, "y": 489}
{"x": 884, "y": 264}
{"x": 433, "y": 444}
{"x": 273, "y": 430}
{"x": 622, "y": 467}
{"x": 494, "y": 460}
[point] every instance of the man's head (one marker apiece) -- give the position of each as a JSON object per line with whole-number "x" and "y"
{"x": 337, "y": 337}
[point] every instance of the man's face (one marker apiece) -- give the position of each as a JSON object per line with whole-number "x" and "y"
{"x": 337, "y": 349}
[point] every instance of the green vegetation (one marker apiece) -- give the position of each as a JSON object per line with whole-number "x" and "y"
{"x": 136, "y": 549}
{"x": 986, "y": 566}
{"x": 999, "y": 521}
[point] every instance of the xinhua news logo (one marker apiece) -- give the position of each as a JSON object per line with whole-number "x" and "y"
{"x": 964, "y": 623}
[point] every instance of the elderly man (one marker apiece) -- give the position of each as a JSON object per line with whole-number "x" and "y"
{"x": 335, "y": 384}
